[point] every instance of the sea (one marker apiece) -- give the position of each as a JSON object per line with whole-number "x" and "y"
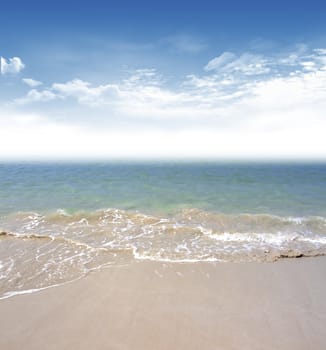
{"x": 61, "y": 221}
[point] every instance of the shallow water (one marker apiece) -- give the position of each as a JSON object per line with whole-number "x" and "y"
{"x": 60, "y": 221}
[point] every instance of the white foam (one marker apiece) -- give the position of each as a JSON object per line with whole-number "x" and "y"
{"x": 158, "y": 258}
{"x": 314, "y": 240}
{"x": 33, "y": 290}
{"x": 182, "y": 247}
{"x": 296, "y": 220}
{"x": 269, "y": 238}
{"x": 62, "y": 212}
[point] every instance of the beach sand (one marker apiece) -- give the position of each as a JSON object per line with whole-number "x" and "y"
{"x": 152, "y": 305}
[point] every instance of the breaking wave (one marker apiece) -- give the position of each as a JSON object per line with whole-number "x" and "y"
{"x": 38, "y": 251}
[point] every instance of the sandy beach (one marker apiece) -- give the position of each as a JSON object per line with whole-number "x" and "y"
{"x": 147, "y": 305}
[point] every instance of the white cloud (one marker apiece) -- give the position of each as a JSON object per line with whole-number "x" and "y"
{"x": 248, "y": 64}
{"x": 85, "y": 93}
{"x": 320, "y": 51}
{"x": 37, "y": 96}
{"x": 143, "y": 77}
{"x": 31, "y": 82}
{"x": 12, "y": 65}
{"x": 207, "y": 116}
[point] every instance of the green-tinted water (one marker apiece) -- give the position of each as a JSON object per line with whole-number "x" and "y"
{"x": 281, "y": 189}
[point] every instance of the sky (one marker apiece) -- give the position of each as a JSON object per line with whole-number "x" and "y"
{"x": 128, "y": 80}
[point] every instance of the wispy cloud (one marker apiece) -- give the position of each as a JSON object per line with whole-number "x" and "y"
{"x": 13, "y": 65}
{"x": 247, "y": 63}
{"x": 31, "y": 82}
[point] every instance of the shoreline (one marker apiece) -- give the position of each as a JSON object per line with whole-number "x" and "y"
{"x": 155, "y": 305}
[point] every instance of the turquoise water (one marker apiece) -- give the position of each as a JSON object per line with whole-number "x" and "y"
{"x": 165, "y": 188}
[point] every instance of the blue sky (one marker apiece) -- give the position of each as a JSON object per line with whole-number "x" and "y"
{"x": 147, "y": 79}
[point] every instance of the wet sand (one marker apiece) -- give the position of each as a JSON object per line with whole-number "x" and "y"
{"x": 147, "y": 305}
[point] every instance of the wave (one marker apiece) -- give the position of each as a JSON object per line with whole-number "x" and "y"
{"x": 119, "y": 229}
{"x": 218, "y": 221}
{"x": 42, "y": 250}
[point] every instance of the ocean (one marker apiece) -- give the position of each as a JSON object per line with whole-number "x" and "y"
{"x": 58, "y": 222}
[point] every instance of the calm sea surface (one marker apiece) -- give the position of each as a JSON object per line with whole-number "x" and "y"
{"x": 296, "y": 190}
